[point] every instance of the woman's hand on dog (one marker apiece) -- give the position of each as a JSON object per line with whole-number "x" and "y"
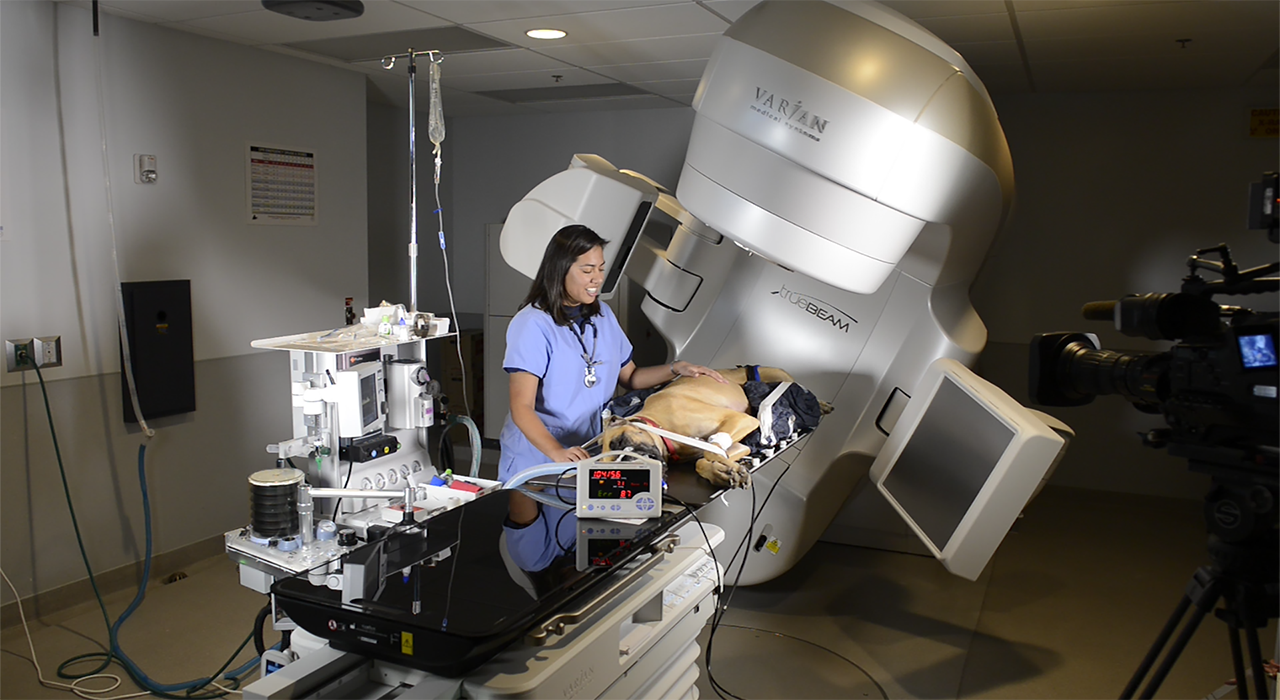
{"x": 687, "y": 369}
{"x": 569, "y": 454}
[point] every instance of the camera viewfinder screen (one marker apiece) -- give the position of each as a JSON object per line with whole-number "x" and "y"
{"x": 1257, "y": 351}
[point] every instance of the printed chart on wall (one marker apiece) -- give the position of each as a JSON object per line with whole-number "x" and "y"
{"x": 4, "y": 178}
{"x": 281, "y": 185}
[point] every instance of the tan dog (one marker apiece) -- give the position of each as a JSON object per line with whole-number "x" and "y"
{"x": 697, "y": 407}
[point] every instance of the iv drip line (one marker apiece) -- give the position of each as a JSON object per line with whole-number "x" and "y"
{"x": 436, "y": 132}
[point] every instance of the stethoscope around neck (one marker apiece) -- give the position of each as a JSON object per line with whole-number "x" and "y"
{"x": 589, "y": 357}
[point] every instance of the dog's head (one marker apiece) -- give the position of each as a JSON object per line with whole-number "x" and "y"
{"x": 622, "y": 435}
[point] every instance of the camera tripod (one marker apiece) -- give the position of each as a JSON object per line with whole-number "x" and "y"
{"x": 1244, "y": 577}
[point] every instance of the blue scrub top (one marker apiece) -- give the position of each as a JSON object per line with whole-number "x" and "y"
{"x": 569, "y": 409}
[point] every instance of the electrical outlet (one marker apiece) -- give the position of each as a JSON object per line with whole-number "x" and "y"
{"x": 48, "y": 351}
{"x": 28, "y": 353}
{"x": 19, "y": 355}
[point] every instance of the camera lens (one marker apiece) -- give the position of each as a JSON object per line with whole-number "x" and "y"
{"x": 1068, "y": 369}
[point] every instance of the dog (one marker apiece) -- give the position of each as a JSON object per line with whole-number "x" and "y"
{"x": 696, "y": 407}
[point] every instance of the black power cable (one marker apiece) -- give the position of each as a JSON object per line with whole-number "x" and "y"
{"x": 718, "y": 616}
{"x": 114, "y": 654}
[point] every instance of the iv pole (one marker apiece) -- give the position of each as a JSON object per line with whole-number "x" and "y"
{"x": 388, "y": 62}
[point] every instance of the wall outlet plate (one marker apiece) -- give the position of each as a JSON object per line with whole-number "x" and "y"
{"x": 45, "y": 351}
{"x": 48, "y": 351}
{"x": 12, "y": 348}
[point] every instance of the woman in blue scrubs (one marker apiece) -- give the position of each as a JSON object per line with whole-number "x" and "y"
{"x": 566, "y": 353}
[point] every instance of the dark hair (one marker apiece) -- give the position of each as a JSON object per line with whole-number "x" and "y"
{"x": 547, "y": 290}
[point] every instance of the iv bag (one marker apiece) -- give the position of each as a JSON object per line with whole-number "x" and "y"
{"x": 435, "y": 122}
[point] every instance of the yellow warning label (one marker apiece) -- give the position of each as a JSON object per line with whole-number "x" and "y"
{"x": 1264, "y": 123}
{"x": 773, "y": 545}
{"x": 406, "y": 643}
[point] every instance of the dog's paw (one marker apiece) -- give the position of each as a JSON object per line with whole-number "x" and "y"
{"x": 723, "y": 473}
{"x": 826, "y": 407}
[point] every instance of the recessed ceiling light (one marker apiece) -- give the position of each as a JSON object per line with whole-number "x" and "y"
{"x": 545, "y": 34}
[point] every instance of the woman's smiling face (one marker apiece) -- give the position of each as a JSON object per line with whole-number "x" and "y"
{"x": 582, "y": 284}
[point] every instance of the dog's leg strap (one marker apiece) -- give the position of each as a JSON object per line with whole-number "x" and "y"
{"x": 700, "y": 444}
{"x": 765, "y": 414}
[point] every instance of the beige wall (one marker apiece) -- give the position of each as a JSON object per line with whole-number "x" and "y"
{"x": 194, "y": 103}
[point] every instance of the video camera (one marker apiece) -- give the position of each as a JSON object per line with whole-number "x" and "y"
{"x": 1216, "y": 388}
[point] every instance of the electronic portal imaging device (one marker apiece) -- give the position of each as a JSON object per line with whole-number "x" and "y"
{"x": 996, "y": 453}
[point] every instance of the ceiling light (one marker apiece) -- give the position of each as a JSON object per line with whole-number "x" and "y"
{"x": 545, "y": 34}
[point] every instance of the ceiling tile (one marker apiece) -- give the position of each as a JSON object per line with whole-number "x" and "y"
{"x": 1176, "y": 19}
{"x": 264, "y": 27}
{"x": 665, "y": 70}
{"x": 526, "y": 79}
{"x": 1003, "y": 78}
{"x": 1131, "y": 74}
{"x": 449, "y": 39}
{"x": 180, "y": 11}
{"x": 608, "y": 104}
{"x": 1206, "y": 46}
{"x": 1032, "y": 5}
{"x": 970, "y": 29}
{"x": 923, "y": 9}
{"x": 221, "y": 36}
{"x": 463, "y": 65}
{"x": 472, "y": 11}
{"x": 306, "y": 55}
{"x": 1265, "y": 78}
{"x": 456, "y": 104}
{"x": 670, "y": 88}
{"x": 989, "y": 52}
{"x": 563, "y": 93}
{"x": 465, "y": 104}
{"x": 696, "y": 46}
{"x": 915, "y": 9}
{"x": 87, "y": 6}
{"x": 730, "y": 9}
{"x": 614, "y": 25}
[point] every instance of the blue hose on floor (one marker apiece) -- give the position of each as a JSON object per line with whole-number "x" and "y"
{"x": 128, "y": 663}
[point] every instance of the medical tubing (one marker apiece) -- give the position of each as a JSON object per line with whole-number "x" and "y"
{"x": 555, "y": 531}
{"x": 259, "y": 642}
{"x": 448, "y": 286}
{"x": 134, "y": 671}
{"x": 114, "y": 651}
{"x": 115, "y": 258}
{"x": 560, "y": 493}
{"x": 535, "y": 472}
{"x": 473, "y": 436}
{"x": 444, "y": 453}
{"x": 543, "y": 498}
{"x": 435, "y": 131}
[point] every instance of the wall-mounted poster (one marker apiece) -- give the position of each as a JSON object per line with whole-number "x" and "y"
{"x": 281, "y": 185}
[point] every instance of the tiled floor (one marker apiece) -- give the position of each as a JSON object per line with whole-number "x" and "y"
{"x": 1066, "y": 609}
